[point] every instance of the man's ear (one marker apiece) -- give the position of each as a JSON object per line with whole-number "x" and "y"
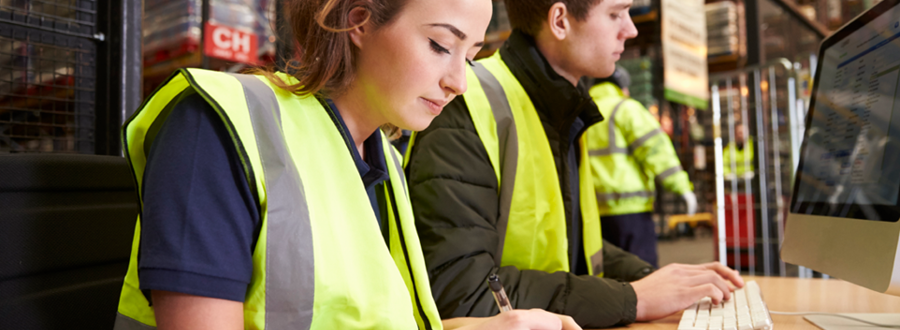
{"x": 558, "y": 20}
{"x": 358, "y": 19}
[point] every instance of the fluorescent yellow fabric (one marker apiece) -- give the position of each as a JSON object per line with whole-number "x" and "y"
{"x": 536, "y": 236}
{"x": 741, "y": 158}
{"x": 360, "y": 283}
{"x": 628, "y": 151}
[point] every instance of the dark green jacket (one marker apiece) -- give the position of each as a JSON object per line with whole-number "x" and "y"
{"x": 454, "y": 195}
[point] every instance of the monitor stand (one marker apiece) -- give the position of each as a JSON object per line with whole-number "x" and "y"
{"x": 827, "y": 322}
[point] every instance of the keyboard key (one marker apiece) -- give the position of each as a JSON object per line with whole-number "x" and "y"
{"x": 730, "y": 312}
{"x": 703, "y": 315}
{"x": 690, "y": 315}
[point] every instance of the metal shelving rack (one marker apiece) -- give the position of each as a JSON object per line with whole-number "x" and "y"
{"x": 66, "y": 74}
{"x": 160, "y": 62}
{"x": 765, "y": 97}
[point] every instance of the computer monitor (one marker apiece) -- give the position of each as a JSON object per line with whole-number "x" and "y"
{"x": 844, "y": 217}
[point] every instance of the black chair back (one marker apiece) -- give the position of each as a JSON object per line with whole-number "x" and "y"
{"x": 66, "y": 227}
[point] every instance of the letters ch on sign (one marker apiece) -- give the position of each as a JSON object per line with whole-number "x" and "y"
{"x": 230, "y": 44}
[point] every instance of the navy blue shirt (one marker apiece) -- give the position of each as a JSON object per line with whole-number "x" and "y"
{"x": 200, "y": 221}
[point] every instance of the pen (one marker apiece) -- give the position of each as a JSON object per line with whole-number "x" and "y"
{"x": 499, "y": 293}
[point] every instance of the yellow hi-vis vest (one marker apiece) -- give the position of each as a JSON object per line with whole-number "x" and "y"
{"x": 627, "y": 153}
{"x": 320, "y": 260}
{"x": 532, "y": 214}
{"x": 742, "y": 158}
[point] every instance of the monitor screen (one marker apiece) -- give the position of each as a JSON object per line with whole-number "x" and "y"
{"x": 850, "y": 163}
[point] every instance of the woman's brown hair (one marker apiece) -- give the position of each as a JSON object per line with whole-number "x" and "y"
{"x": 327, "y": 55}
{"x": 326, "y": 63}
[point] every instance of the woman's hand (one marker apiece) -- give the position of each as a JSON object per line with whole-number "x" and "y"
{"x": 518, "y": 319}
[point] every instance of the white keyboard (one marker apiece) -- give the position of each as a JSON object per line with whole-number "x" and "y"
{"x": 744, "y": 311}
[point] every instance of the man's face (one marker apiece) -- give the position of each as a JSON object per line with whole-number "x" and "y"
{"x": 597, "y": 42}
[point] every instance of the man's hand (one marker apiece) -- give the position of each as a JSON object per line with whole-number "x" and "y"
{"x": 676, "y": 286}
{"x": 518, "y": 319}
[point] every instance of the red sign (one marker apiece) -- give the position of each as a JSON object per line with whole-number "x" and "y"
{"x": 229, "y": 44}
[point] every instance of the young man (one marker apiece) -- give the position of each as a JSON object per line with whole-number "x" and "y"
{"x": 500, "y": 184}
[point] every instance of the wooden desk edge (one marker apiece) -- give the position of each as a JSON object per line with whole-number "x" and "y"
{"x": 790, "y": 294}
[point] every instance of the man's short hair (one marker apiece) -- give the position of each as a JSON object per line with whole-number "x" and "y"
{"x": 528, "y": 15}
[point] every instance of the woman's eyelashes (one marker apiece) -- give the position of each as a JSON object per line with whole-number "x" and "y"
{"x": 437, "y": 48}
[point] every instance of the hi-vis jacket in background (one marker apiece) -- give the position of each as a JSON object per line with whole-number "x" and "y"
{"x": 627, "y": 152}
{"x": 743, "y": 159}
{"x": 320, "y": 260}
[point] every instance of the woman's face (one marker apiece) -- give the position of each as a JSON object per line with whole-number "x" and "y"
{"x": 410, "y": 68}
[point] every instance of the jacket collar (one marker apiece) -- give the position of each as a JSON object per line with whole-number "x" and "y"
{"x": 558, "y": 103}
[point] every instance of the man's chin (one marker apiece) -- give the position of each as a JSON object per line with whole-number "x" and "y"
{"x": 606, "y": 73}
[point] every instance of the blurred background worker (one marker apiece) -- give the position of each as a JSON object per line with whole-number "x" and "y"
{"x": 739, "y": 153}
{"x": 627, "y": 152}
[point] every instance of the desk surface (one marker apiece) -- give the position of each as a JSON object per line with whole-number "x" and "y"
{"x": 788, "y": 294}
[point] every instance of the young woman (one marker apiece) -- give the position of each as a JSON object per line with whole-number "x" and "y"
{"x": 273, "y": 201}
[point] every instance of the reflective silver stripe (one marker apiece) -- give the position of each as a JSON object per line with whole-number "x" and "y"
{"x": 608, "y": 151}
{"x": 399, "y": 168}
{"x": 597, "y": 262}
{"x": 508, "y": 138}
{"x": 667, "y": 173}
{"x": 611, "y": 143}
{"x": 290, "y": 279}
{"x": 641, "y": 140}
{"x": 126, "y": 323}
{"x": 606, "y": 197}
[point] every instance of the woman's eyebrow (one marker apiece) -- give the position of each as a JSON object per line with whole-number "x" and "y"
{"x": 457, "y": 32}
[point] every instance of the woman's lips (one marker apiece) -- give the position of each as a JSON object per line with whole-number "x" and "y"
{"x": 435, "y": 106}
